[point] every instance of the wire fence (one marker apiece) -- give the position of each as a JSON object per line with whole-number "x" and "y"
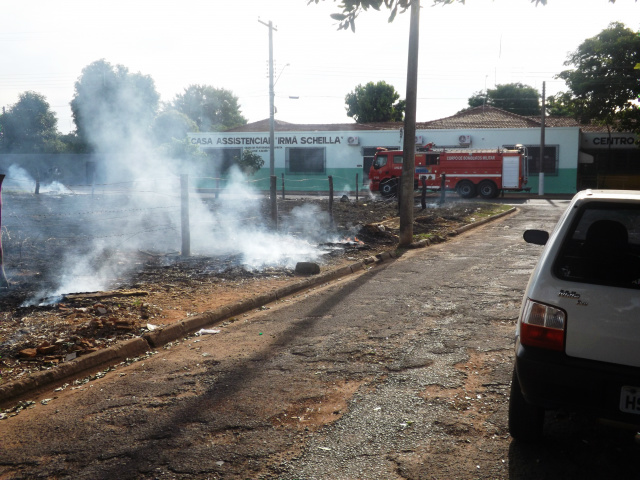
{"x": 293, "y": 185}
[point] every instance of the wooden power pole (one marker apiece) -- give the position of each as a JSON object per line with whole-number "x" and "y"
{"x": 3, "y": 279}
{"x": 409, "y": 145}
{"x": 272, "y": 188}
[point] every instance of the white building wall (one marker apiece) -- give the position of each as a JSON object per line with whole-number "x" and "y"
{"x": 346, "y": 158}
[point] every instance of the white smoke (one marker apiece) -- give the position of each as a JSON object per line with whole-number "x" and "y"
{"x": 19, "y": 180}
{"x": 308, "y": 221}
{"x": 144, "y": 215}
{"x": 237, "y": 227}
{"x": 81, "y": 276}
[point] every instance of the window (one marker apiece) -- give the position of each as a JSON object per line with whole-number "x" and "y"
{"x": 367, "y": 160}
{"x": 603, "y": 246}
{"x": 397, "y": 159}
{"x": 305, "y": 160}
{"x": 221, "y": 160}
{"x": 380, "y": 161}
{"x": 549, "y": 164}
{"x": 432, "y": 159}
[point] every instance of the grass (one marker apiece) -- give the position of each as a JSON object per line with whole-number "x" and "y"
{"x": 486, "y": 211}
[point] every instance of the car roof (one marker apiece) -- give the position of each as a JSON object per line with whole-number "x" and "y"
{"x": 623, "y": 195}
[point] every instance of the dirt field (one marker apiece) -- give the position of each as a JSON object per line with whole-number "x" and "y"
{"x": 166, "y": 287}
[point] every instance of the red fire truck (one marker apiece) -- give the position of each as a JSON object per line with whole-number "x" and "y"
{"x": 467, "y": 171}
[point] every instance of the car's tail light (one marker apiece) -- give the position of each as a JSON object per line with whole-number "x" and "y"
{"x": 542, "y": 326}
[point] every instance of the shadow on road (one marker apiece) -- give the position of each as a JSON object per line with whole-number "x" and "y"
{"x": 568, "y": 440}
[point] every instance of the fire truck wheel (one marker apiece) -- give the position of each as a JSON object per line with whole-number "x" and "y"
{"x": 488, "y": 189}
{"x": 466, "y": 189}
{"x": 388, "y": 188}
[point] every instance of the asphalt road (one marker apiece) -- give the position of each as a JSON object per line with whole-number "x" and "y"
{"x": 401, "y": 372}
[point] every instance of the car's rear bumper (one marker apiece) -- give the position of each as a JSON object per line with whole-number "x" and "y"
{"x": 553, "y": 380}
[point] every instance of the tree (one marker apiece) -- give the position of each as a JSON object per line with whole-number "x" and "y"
{"x": 561, "y": 105}
{"x": 171, "y": 124}
{"x": 250, "y": 162}
{"x": 352, "y": 8}
{"x": 182, "y": 150}
{"x": 374, "y": 102}
{"x": 478, "y": 99}
{"x": 212, "y": 109}
{"x": 29, "y": 126}
{"x": 604, "y": 85}
{"x": 112, "y": 107}
{"x": 512, "y": 97}
{"x": 73, "y": 144}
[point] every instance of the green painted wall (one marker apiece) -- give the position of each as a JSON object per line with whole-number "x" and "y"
{"x": 344, "y": 180}
{"x": 564, "y": 182}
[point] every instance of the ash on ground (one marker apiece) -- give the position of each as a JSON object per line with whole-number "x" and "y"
{"x": 159, "y": 286}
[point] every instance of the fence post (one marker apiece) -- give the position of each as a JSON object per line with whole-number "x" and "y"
{"x": 283, "y": 186}
{"x": 331, "y": 199}
{"x": 443, "y": 178}
{"x": 37, "y": 182}
{"x": 3, "y": 278}
{"x": 274, "y": 201}
{"x": 91, "y": 175}
{"x": 357, "y": 187}
{"x": 423, "y": 197}
{"x": 184, "y": 217}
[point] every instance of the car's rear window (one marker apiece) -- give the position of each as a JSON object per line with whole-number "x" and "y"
{"x": 602, "y": 246}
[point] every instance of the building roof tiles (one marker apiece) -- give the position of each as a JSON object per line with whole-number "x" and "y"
{"x": 477, "y": 117}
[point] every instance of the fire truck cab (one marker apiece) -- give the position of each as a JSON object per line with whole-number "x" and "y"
{"x": 469, "y": 172}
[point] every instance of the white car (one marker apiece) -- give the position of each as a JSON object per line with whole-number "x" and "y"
{"x": 578, "y": 335}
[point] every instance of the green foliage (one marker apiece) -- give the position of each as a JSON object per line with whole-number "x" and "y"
{"x": 250, "y": 162}
{"x": 73, "y": 144}
{"x": 352, "y": 8}
{"x": 561, "y": 105}
{"x": 29, "y": 126}
{"x": 171, "y": 124}
{"x": 182, "y": 149}
{"x": 478, "y": 99}
{"x": 111, "y": 106}
{"x": 374, "y": 102}
{"x": 512, "y": 97}
{"x": 604, "y": 82}
{"x": 212, "y": 109}
{"x": 628, "y": 120}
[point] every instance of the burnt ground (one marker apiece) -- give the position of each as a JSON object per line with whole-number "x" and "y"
{"x": 166, "y": 287}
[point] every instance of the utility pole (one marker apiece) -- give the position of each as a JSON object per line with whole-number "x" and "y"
{"x": 271, "y": 99}
{"x": 542, "y": 140}
{"x": 409, "y": 145}
{"x": 272, "y": 136}
{"x": 3, "y": 279}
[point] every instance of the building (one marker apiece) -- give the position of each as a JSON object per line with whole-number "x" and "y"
{"x": 575, "y": 156}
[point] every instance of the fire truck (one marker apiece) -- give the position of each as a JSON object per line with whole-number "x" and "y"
{"x": 469, "y": 172}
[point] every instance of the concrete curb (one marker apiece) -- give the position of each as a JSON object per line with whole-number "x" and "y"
{"x": 152, "y": 340}
{"x": 426, "y": 242}
{"x": 126, "y": 349}
{"x": 469, "y": 226}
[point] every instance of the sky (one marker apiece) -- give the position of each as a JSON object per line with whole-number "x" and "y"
{"x": 464, "y": 49}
